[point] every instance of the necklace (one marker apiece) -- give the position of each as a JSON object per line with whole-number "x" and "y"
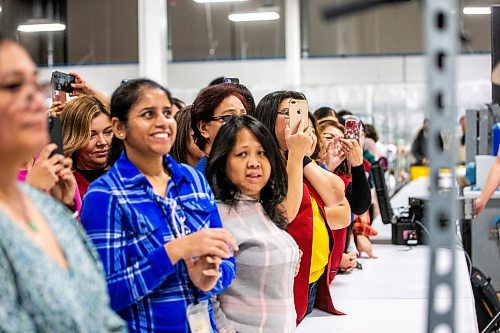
{"x": 24, "y": 212}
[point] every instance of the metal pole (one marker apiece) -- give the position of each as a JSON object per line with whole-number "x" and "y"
{"x": 441, "y": 31}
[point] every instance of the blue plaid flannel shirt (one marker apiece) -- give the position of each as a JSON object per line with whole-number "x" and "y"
{"x": 127, "y": 222}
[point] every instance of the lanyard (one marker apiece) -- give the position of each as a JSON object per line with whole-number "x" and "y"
{"x": 174, "y": 216}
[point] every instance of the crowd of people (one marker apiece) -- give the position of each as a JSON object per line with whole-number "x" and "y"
{"x": 164, "y": 217}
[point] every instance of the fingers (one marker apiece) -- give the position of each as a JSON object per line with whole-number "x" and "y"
{"x": 56, "y": 158}
{"x": 302, "y": 126}
{"x": 46, "y": 151}
{"x": 288, "y": 131}
{"x": 223, "y": 235}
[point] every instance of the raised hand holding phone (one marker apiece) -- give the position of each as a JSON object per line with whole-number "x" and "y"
{"x": 62, "y": 81}
{"x": 351, "y": 129}
{"x": 297, "y": 112}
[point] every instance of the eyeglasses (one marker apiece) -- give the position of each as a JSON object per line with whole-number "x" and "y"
{"x": 225, "y": 118}
{"x": 284, "y": 112}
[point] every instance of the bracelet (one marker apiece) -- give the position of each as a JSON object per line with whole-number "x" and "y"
{"x": 306, "y": 161}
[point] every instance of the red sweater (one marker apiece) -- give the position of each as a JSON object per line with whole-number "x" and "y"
{"x": 301, "y": 229}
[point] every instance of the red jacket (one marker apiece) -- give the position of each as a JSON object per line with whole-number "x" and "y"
{"x": 83, "y": 184}
{"x": 301, "y": 229}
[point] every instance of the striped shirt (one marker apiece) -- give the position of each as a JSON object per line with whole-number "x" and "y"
{"x": 129, "y": 225}
{"x": 260, "y": 299}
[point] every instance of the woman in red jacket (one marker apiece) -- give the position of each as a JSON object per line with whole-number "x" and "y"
{"x": 313, "y": 199}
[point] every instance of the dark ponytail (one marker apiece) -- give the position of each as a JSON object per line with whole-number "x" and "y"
{"x": 123, "y": 99}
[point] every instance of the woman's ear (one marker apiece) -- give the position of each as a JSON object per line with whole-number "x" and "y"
{"x": 202, "y": 127}
{"x": 118, "y": 128}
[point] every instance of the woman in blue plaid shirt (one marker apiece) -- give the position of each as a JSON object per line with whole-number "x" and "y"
{"x": 154, "y": 222}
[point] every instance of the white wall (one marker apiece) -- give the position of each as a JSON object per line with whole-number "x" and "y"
{"x": 364, "y": 84}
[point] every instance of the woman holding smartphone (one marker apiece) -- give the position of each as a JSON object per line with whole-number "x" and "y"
{"x": 312, "y": 191}
{"x": 154, "y": 222}
{"x": 87, "y": 134}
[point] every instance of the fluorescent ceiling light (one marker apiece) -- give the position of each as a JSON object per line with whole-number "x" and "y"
{"x": 256, "y": 16}
{"x": 477, "y": 10}
{"x": 41, "y": 27}
{"x": 0, "y": 9}
{"x": 206, "y": 1}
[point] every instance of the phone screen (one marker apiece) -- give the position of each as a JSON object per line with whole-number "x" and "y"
{"x": 58, "y": 96}
{"x": 298, "y": 109}
{"x": 62, "y": 81}
{"x": 55, "y": 132}
{"x": 351, "y": 129}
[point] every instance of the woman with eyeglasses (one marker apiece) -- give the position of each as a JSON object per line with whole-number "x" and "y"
{"x": 213, "y": 106}
{"x": 313, "y": 196}
{"x": 154, "y": 221}
{"x": 51, "y": 280}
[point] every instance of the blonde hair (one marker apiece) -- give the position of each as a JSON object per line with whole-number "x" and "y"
{"x": 76, "y": 119}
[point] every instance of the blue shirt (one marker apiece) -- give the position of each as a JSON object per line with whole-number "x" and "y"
{"x": 129, "y": 225}
{"x": 202, "y": 164}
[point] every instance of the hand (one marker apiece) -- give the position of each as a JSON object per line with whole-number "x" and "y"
{"x": 210, "y": 241}
{"x": 204, "y": 271}
{"x": 348, "y": 262}
{"x": 300, "y": 142}
{"x": 334, "y": 155}
{"x": 43, "y": 174}
{"x": 64, "y": 189}
{"x": 352, "y": 150}
{"x": 56, "y": 108}
{"x": 479, "y": 205}
{"x": 81, "y": 87}
{"x": 364, "y": 245}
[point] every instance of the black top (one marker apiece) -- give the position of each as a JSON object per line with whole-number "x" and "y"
{"x": 91, "y": 175}
{"x": 358, "y": 192}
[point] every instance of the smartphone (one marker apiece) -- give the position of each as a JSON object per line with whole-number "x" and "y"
{"x": 55, "y": 133}
{"x": 351, "y": 129}
{"x": 298, "y": 110}
{"x": 62, "y": 81}
{"x": 58, "y": 96}
{"x": 232, "y": 80}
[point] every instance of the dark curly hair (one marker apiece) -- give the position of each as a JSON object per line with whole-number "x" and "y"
{"x": 273, "y": 193}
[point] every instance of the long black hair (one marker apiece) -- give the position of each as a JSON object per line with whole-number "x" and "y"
{"x": 123, "y": 99}
{"x": 179, "y": 149}
{"x": 267, "y": 108}
{"x": 273, "y": 193}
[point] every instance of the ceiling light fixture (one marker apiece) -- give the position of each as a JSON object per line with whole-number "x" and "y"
{"x": 41, "y": 25}
{"x": 254, "y": 16}
{"x": 477, "y": 10}
{"x": 208, "y": 1}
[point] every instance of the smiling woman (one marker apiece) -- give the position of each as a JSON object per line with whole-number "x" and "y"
{"x": 154, "y": 221}
{"x": 86, "y": 127}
